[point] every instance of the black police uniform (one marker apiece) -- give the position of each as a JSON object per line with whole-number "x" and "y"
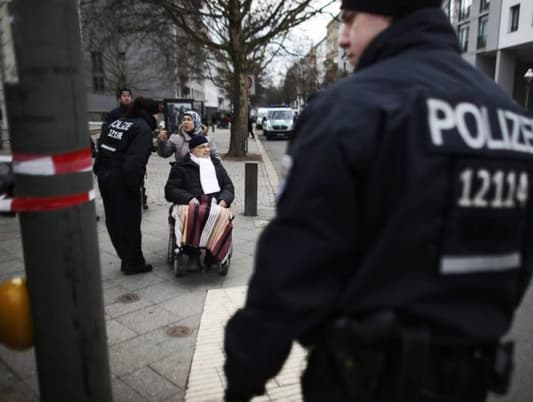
{"x": 409, "y": 193}
{"x": 116, "y": 114}
{"x": 123, "y": 151}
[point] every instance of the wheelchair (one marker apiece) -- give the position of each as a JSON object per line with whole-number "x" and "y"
{"x": 205, "y": 227}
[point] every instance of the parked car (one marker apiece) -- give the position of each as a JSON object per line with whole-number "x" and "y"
{"x": 279, "y": 122}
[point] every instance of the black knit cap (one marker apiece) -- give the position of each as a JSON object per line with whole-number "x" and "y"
{"x": 197, "y": 140}
{"x": 120, "y": 91}
{"x": 393, "y": 8}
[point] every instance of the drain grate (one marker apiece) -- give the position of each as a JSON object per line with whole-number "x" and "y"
{"x": 128, "y": 298}
{"x": 179, "y": 331}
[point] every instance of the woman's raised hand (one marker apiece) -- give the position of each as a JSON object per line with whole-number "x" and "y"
{"x": 163, "y": 136}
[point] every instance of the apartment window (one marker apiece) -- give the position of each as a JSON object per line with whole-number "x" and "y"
{"x": 464, "y": 9}
{"x": 514, "y": 17}
{"x": 463, "y": 37}
{"x": 97, "y": 69}
{"x": 482, "y": 32}
{"x": 484, "y": 5}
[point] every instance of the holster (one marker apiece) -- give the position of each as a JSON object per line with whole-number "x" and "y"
{"x": 359, "y": 352}
{"x": 377, "y": 353}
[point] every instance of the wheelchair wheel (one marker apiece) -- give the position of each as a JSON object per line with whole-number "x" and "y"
{"x": 179, "y": 265}
{"x": 223, "y": 268}
{"x": 171, "y": 245}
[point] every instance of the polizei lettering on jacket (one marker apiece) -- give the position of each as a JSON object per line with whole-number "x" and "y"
{"x": 466, "y": 126}
{"x": 117, "y": 128}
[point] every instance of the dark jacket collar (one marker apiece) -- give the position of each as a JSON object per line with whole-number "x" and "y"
{"x": 427, "y": 28}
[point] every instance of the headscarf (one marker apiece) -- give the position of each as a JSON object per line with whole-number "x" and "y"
{"x": 197, "y": 122}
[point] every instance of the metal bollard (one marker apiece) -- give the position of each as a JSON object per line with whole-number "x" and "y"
{"x": 250, "y": 189}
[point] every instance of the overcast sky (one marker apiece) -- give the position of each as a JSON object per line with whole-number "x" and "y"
{"x": 302, "y": 38}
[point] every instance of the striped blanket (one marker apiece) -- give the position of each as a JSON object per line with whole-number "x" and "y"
{"x": 206, "y": 225}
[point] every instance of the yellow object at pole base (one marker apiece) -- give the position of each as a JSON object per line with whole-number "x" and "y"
{"x": 16, "y": 329}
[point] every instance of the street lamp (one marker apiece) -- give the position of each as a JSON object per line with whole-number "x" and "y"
{"x": 529, "y": 77}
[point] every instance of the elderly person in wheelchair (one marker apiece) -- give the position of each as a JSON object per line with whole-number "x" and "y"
{"x": 202, "y": 192}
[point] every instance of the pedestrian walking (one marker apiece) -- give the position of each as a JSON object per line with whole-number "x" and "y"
{"x": 251, "y": 126}
{"x": 120, "y": 165}
{"x": 403, "y": 241}
{"x": 213, "y": 122}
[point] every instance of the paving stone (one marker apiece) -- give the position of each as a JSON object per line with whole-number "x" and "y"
{"x": 147, "y": 319}
{"x": 116, "y": 332}
{"x": 150, "y": 384}
{"x": 122, "y": 392}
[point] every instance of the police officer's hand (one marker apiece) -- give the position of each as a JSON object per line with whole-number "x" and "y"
{"x": 223, "y": 204}
{"x": 193, "y": 201}
{"x": 163, "y": 135}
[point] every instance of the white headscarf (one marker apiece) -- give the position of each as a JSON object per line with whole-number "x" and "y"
{"x": 208, "y": 175}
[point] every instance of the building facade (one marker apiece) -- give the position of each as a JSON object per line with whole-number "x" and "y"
{"x": 147, "y": 63}
{"x": 496, "y": 36}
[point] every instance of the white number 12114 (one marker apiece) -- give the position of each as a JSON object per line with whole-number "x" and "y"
{"x": 509, "y": 188}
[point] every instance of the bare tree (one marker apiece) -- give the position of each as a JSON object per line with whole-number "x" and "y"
{"x": 126, "y": 44}
{"x": 238, "y": 34}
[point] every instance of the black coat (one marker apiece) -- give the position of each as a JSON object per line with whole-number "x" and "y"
{"x": 183, "y": 182}
{"x": 125, "y": 146}
{"x": 385, "y": 205}
{"x": 115, "y": 114}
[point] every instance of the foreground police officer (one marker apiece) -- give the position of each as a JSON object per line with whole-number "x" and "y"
{"x": 120, "y": 165}
{"x": 403, "y": 237}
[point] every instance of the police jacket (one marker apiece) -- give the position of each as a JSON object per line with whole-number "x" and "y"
{"x": 409, "y": 190}
{"x": 125, "y": 146}
{"x": 113, "y": 115}
{"x": 183, "y": 182}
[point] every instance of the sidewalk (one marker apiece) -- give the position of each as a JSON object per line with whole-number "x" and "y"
{"x": 164, "y": 334}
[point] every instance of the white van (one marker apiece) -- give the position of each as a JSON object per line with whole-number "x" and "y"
{"x": 279, "y": 122}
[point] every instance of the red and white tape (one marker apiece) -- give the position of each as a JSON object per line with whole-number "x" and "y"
{"x": 39, "y": 204}
{"x": 48, "y": 165}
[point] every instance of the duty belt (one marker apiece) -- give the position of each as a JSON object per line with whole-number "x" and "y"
{"x": 365, "y": 352}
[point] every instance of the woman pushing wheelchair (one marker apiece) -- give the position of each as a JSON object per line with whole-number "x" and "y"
{"x": 203, "y": 192}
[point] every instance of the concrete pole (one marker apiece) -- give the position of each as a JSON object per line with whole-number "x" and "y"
{"x": 250, "y": 189}
{"x": 47, "y": 113}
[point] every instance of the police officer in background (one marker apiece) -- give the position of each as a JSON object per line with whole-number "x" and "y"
{"x": 125, "y": 102}
{"x": 120, "y": 165}
{"x": 403, "y": 237}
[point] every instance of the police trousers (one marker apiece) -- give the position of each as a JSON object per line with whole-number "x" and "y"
{"x": 122, "y": 206}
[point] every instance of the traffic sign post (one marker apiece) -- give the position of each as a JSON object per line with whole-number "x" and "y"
{"x": 250, "y": 84}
